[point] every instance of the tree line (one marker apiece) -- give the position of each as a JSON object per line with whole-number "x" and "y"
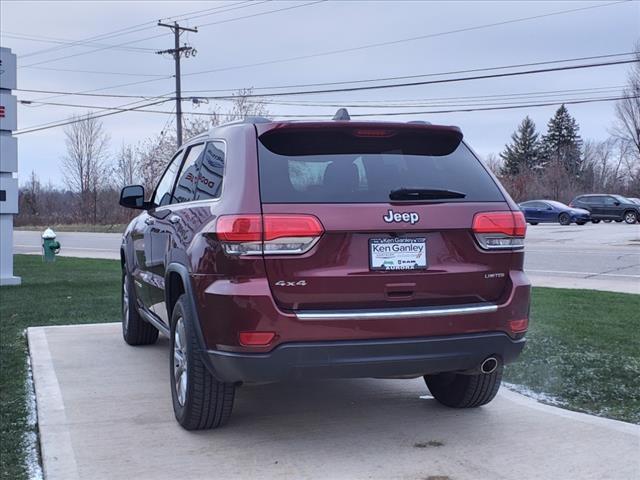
{"x": 557, "y": 164}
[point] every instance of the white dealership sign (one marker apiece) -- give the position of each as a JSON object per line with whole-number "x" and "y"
{"x": 8, "y": 165}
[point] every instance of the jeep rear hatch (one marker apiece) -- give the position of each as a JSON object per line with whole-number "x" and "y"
{"x": 386, "y": 213}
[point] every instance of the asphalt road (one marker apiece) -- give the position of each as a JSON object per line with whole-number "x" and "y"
{"x": 601, "y": 257}
{"x": 104, "y": 412}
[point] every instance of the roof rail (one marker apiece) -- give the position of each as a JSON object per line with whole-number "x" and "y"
{"x": 342, "y": 114}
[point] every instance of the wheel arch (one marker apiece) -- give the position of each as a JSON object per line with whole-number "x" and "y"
{"x": 178, "y": 282}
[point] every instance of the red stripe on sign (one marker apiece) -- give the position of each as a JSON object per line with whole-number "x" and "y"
{"x": 1, "y": 111}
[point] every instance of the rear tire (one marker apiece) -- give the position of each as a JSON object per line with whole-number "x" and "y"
{"x": 135, "y": 330}
{"x": 533, "y": 223}
{"x": 630, "y": 217}
{"x": 564, "y": 219}
{"x": 200, "y": 401}
{"x": 464, "y": 391}
{"x": 607, "y": 220}
{"x": 595, "y": 221}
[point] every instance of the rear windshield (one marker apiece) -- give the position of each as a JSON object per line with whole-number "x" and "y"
{"x": 298, "y": 173}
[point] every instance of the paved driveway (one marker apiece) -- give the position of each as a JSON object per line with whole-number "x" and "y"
{"x": 601, "y": 257}
{"x": 104, "y": 412}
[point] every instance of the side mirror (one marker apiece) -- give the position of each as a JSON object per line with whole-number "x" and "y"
{"x": 132, "y": 196}
{"x": 549, "y": 208}
{"x": 616, "y": 203}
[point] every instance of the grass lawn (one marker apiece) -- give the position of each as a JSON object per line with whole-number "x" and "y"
{"x": 68, "y": 291}
{"x": 583, "y": 350}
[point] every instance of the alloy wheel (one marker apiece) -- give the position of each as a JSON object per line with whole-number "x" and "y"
{"x": 180, "y": 364}
{"x": 630, "y": 217}
{"x": 125, "y": 304}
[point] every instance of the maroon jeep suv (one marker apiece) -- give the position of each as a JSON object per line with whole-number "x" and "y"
{"x": 277, "y": 250}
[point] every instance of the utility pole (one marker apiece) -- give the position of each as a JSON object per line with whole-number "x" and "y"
{"x": 177, "y": 52}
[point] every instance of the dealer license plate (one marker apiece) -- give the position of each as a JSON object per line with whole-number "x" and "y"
{"x": 397, "y": 253}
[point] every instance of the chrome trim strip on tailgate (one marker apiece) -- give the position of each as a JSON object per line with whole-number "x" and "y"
{"x": 389, "y": 313}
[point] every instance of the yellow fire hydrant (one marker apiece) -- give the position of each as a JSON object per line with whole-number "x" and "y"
{"x": 50, "y": 246}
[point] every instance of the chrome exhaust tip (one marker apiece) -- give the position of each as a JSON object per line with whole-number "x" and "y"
{"x": 489, "y": 365}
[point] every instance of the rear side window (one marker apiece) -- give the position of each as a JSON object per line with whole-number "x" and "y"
{"x": 304, "y": 167}
{"x": 185, "y": 187}
{"x": 210, "y": 168}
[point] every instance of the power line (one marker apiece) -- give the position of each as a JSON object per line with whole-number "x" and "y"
{"x": 91, "y": 51}
{"x": 409, "y": 39}
{"x": 76, "y": 120}
{"x": 447, "y": 100}
{"x": 428, "y": 82}
{"x": 504, "y": 67}
{"x": 484, "y": 109}
{"x": 99, "y": 72}
{"x": 132, "y": 29}
{"x": 332, "y": 103}
{"x": 122, "y": 106}
{"x": 371, "y": 114}
{"x": 262, "y": 13}
{"x": 67, "y": 42}
{"x": 471, "y": 104}
{"x": 438, "y": 74}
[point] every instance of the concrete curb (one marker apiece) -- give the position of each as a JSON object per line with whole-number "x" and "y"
{"x": 58, "y": 457}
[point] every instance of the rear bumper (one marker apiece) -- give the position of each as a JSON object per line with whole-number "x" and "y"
{"x": 363, "y": 358}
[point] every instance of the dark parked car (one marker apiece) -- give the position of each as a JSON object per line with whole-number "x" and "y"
{"x": 608, "y": 207}
{"x": 273, "y": 250}
{"x": 550, "y": 211}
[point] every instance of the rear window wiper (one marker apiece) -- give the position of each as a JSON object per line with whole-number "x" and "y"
{"x": 424, "y": 194}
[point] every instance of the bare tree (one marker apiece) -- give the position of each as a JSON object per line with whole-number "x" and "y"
{"x": 627, "y": 124}
{"x": 494, "y": 163}
{"x": 84, "y": 166}
{"x": 30, "y": 196}
{"x": 245, "y": 105}
{"x": 126, "y": 167}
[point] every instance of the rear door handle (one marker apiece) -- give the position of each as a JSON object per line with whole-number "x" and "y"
{"x": 149, "y": 221}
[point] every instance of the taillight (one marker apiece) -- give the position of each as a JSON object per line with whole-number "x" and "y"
{"x": 500, "y": 230}
{"x": 269, "y": 234}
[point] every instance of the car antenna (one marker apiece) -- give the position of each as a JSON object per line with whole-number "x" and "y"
{"x": 342, "y": 114}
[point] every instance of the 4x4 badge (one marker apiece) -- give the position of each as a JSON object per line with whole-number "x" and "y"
{"x": 410, "y": 217}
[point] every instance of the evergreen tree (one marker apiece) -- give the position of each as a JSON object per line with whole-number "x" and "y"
{"x": 562, "y": 143}
{"x": 524, "y": 150}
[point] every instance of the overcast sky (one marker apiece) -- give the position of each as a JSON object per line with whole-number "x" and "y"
{"x": 29, "y": 27}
